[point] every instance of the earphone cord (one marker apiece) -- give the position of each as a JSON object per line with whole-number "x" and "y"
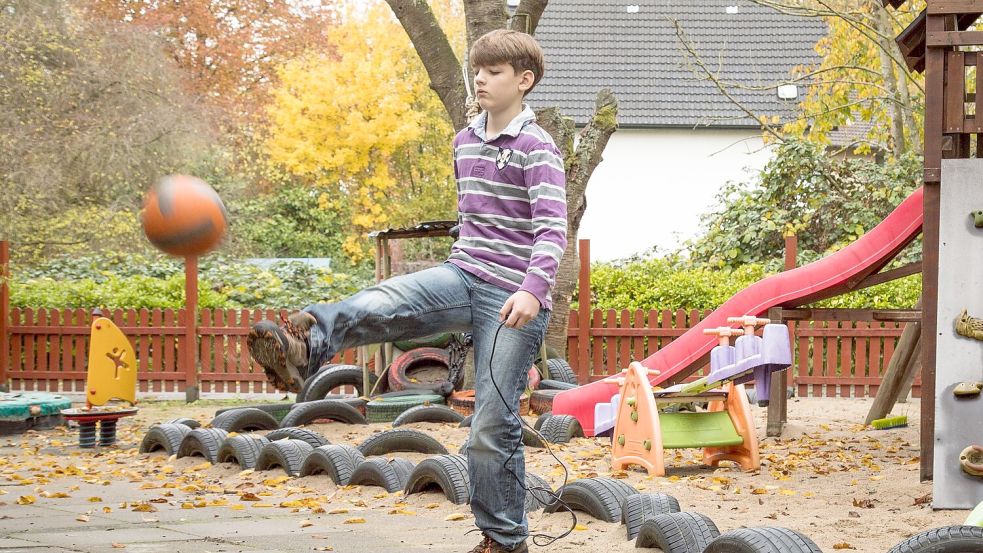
{"x": 539, "y": 539}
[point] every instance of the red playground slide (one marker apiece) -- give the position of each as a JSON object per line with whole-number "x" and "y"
{"x": 796, "y": 287}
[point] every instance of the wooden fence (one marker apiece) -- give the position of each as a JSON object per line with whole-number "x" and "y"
{"x": 48, "y": 349}
{"x": 830, "y": 358}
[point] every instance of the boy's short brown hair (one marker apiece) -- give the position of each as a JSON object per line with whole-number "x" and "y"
{"x": 515, "y": 48}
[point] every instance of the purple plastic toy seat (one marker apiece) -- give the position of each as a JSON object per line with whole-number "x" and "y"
{"x": 765, "y": 355}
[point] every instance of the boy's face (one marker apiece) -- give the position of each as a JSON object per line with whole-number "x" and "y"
{"x": 499, "y": 87}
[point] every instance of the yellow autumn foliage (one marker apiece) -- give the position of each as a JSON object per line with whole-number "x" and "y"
{"x": 361, "y": 124}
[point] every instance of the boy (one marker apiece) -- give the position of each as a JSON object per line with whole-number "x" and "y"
{"x": 496, "y": 283}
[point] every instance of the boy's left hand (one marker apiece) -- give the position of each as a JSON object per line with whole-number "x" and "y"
{"x": 519, "y": 309}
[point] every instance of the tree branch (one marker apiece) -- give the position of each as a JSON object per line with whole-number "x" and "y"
{"x": 710, "y": 76}
{"x": 527, "y": 15}
{"x": 441, "y": 64}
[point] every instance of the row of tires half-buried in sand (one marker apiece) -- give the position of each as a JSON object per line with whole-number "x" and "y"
{"x": 653, "y": 520}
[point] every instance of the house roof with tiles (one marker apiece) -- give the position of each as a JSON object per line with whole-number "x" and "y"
{"x": 632, "y": 47}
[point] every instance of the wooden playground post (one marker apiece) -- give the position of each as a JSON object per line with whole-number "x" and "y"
{"x": 190, "y": 352}
{"x": 4, "y": 314}
{"x": 583, "y": 312}
{"x": 777, "y": 400}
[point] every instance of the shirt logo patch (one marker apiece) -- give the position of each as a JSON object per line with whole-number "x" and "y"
{"x": 478, "y": 171}
{"x": 504, "y": 155}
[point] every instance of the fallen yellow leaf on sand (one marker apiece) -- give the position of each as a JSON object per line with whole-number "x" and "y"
{"x": 401, "y": 512}
{"x": 187, "y": 505}
{"x": 305, "y": 523}
{"x": 247, "y": 472}
{"x": 26, "y": 500}
{"x": 119, "y": 545}
{"x": 580, "y": 527}
{"x": 356, "y": 520}
{"x": 263, "y": 505}
{"x": 843, "y": 545}
{"x": 95, "y": 499}
{"x": 237, "y": 507}
{"x": 201, "y": 466}
{"x": 431, "y": 505}
{"x": 145, "y": 508}
{"x": 455, "y": 516}
{"x": 337, "y": 511}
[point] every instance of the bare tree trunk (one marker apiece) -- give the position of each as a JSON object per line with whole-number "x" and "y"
{"x": 579, "y": 167}
{"x": 885, "y": 31}
{"x": 904, "y": 96}
{"x": 438, "y": 57}
{"x": 482, "y": 16}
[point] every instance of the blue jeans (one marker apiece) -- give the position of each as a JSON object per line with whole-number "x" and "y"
{"x": 447, "y": 299}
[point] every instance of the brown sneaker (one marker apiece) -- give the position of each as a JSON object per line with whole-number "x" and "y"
{"x": 282, "y": 349}
{"x": 489, "y": 545}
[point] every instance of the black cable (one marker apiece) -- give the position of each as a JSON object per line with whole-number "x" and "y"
{"x": 545, "y": 539}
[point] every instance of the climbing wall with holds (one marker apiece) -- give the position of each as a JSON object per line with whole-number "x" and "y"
{"x": 959, "y": 353}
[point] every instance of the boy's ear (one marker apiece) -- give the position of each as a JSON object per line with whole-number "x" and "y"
{"x": 526, "y": 80}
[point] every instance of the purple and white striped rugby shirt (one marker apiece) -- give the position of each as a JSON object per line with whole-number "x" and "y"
{"x": 511, "y": 204}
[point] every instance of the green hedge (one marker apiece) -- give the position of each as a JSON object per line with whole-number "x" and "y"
{"x": 663, "y": 284}
{"x": 137, "y": 282}
{"x": 158, "y": 282}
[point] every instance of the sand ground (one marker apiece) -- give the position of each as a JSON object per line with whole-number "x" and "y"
{"x": 844, "y": 486}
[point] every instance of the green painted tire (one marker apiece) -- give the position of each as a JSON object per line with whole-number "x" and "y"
{"x": 386, "y": 409}
{"x": 433, "y": 341}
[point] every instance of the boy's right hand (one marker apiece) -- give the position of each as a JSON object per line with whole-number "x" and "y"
{"x": 519, "y": 309}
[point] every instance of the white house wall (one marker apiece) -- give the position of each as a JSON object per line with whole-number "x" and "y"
{"x": 654, "y": 184}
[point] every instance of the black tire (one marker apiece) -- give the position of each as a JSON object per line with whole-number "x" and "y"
{"x": 555, "y": 385}
{"x": 948, "y": 539}
{"x": 449, "y": 473}
{"x": 466, "y": 421}
{"x": 277, "y": 410}
{"x": 432, "y": 341}
{"x": 428, "y": 413}
{"x": 165, "y": 437}
{"x": 401, "y": 439}
{"x": 308, "y": 412}
{"x": 391, "y": 474}
{"x": 386, "y": 409}
{"x": 541, "y": 401}
{"x": 641, "y": 506}
{"x": 245, "y": 419}
{"x": 679, "y": 533}
{"x": 599, "y": 497}
{"x": 321, "y": 384}
{"x": 537, "y": 496}
{"x": 765, "y": 540}
{"x": 302, "y": 434}
{"x": 302, "y": 394}
{"x": 190, "y": 423}
{"x": 560, "y": 429}
{"x": 551, "y": 353}
{"x": 559, "y": 369}
{"x": 242, "y": 450}
{"x": 202, "y": 442}
{"x": 538, "y": 425}
{"x": 286, "y": 454}
{"x": 336, "y": 460}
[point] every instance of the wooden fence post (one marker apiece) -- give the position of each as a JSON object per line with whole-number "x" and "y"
{"x": 583, "y": 312}
{"x": 4, "y": 315}
{"x": 189, "y": 357}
